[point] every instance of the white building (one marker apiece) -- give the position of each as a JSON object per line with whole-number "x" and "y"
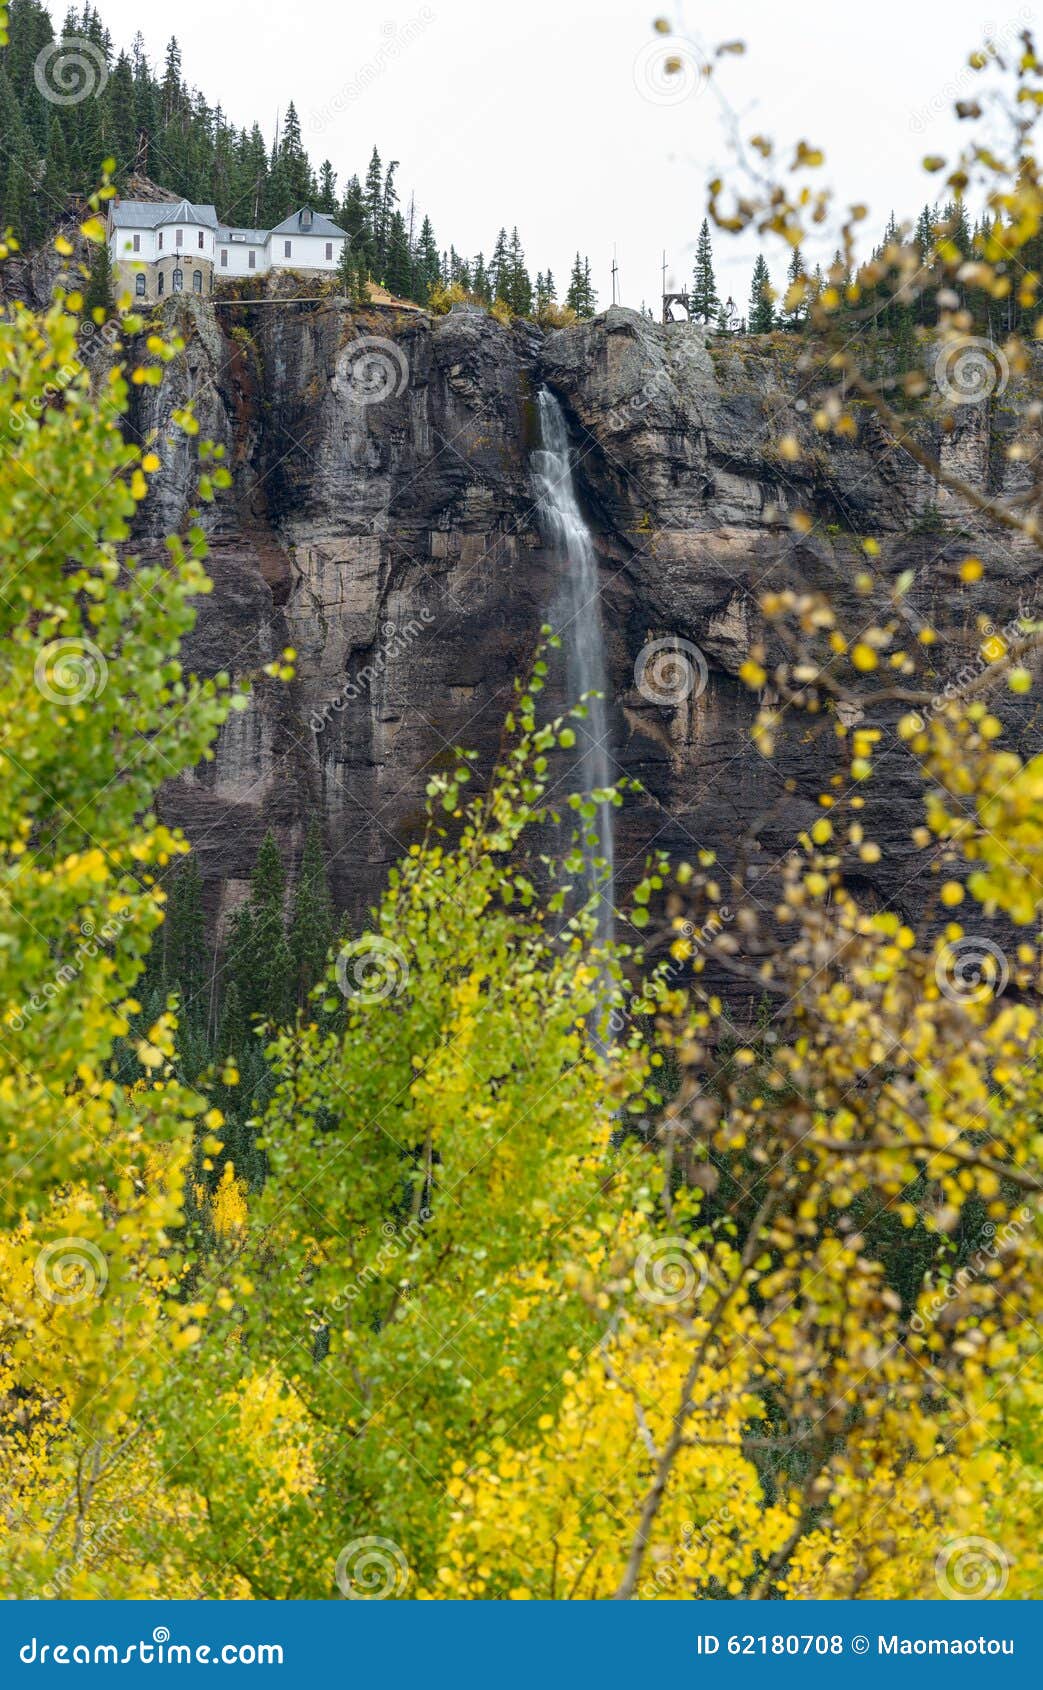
{"x": 172, "y": 246}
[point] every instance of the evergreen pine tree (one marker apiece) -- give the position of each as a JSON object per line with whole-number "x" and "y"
{"x": 924, "y": 235}
{"x": 374, "y": 201}
{"x": 480, "y": 284}
{"x": 359, "y": 292}
{"x": 575, "y": 294}
{"x": 184, "y": 949}
{"x": 171, "y": 90}
{"x": 499, "y": 268}
{"x": 388, "y": 202}
{"x": 518, "y": 292}
{"x": 98, "y": 292}
{"x": 354, "y": 219}
{"x": 119, "y": 128}
{"x": 15, "y": 181}
{"x": 544, "y": 293}
{"x": 795, "y": 313}
{"x": 312, "y": 927}
{"x": 146, "y": 102}
{"x": 705, "y": 301}
{"x": 347, "y": 268}
{"x": 957, "y": 228}
{"x": 258, "y": 954}
{"x": 54, "y": 189}
{"x": 296, "y": 180}
{"x": 426, "y": 268}
{"x": 252, "y": 171}
{"x": 590, "y": 295}
{"x": 398, "y": 263}
{"x": 233, "y": 1032}
{"x": 326, "y": 196}
{"x": 581, "y": 297}
{"x": 761, "y": 317}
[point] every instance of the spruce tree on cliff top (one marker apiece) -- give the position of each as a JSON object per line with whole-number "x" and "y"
{"x": 705, "y": 299}
{"x": 762, "y": 309}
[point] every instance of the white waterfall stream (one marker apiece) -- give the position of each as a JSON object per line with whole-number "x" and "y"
{"x": 576, "y": 617}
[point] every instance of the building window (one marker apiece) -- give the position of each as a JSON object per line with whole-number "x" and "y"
{"x": 197, "y": 281}
{"x": 139, "y": 286}
{"x": 252, "y": 261}
{"x": 200, "y": 239}
{"x": 329, "y": 251}
{"x": 137, "y": 243}
{"x": 287, "y": 248}
{"x": 162, "y": 282}
{"x": 179, "y": 237}
{"x": 177, "y": 281}
{"x": 161, "y": 240}
{"x": 224, "y": 258}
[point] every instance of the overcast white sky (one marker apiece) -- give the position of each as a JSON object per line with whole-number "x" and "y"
{"x": 554, "y": 114}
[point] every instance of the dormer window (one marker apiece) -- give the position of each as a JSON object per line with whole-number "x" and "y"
{"x": 305, "y": 219}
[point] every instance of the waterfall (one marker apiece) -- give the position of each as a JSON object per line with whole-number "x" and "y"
{"x": 576, "y": 617}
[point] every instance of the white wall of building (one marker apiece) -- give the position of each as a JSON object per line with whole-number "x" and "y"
{"x": 307, "y": 252}
{"x": 232, "y": 258}
{"x": 195, "y": 242}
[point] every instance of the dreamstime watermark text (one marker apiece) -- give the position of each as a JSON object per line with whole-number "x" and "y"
{"x": 395, "y": 641}
{"x": 395, "y": 43}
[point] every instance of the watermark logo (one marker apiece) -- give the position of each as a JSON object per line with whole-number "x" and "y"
{"x": 669, "y": 1272}
{"x": 940, "y": 103}
{"x": 971, "y": 1569}
{"x": 371, "y": 970}
{"x": 70, "y": 1270}
{"x": 991, "y": 1246}
{"x": 699, "y": 941}
{"x": 970, "y": 370}
{"x": 69, "y": 70}
{"x": 669, "y": 70}
{"x": 370, "y": 1569}
{"x": 971, "y": 970}
{"x": 91, "y": 941}
{"x": 669, "y": 670}
{"x": 375, "y": 369}
{"x": 394, "y": 641}
{"x": 631, "y": 410}
{"x": 70, "y": 671}
{"x": 396, "y": 1243}
{"x": 395, "y": 42}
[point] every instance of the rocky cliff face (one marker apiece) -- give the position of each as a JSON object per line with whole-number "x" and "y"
{"x": 382, "y": 523}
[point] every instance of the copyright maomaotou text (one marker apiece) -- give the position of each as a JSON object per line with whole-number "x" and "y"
{"x": 838, "y": 1643}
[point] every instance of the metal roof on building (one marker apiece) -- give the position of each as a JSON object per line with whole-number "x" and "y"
{"x": 147, "y": 214}
{"x": 241, "y": 237}
{"x": 152, "y": 214}
{"x": 320, "y": 224}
